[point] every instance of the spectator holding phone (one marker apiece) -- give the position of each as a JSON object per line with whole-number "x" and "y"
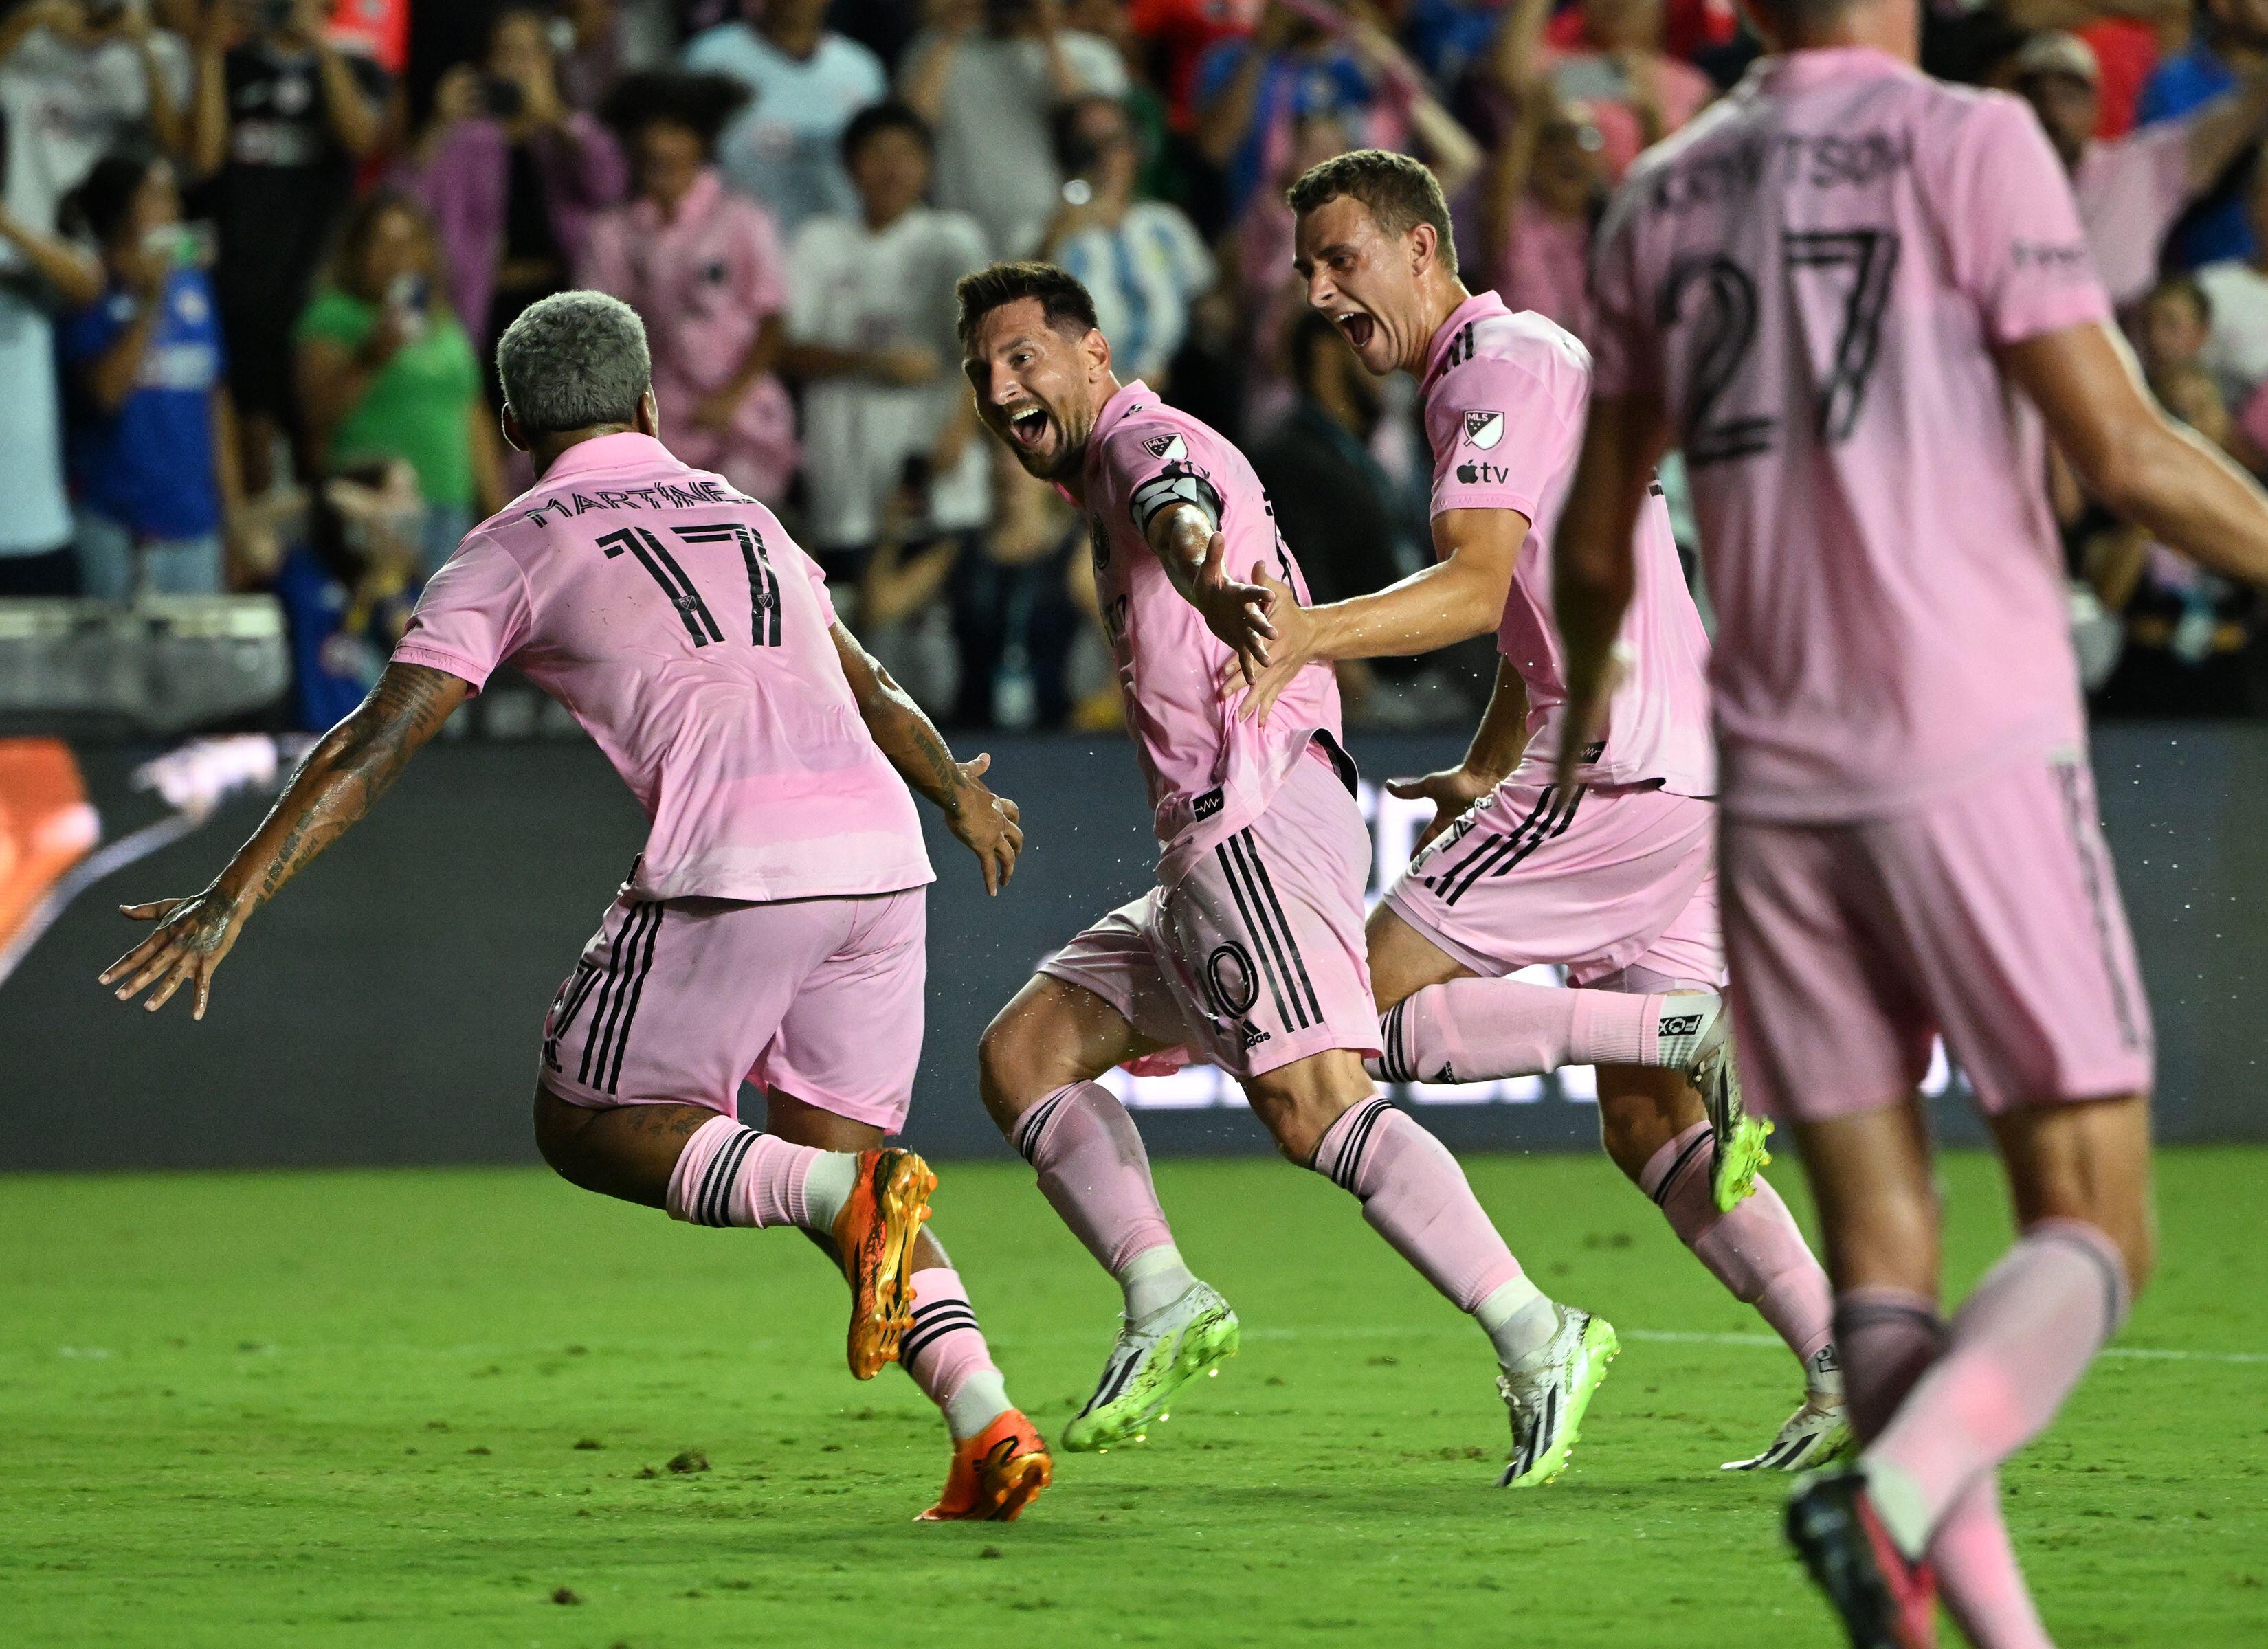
{"x": 701, "y": 264}
{"x": 871, "y": 334}
{"x": 149, "y": 439}
{"x": 78, "y": 78}
{"x": 1142, "y": 260}
{"x": 987, "y": 75}
{"x": 281, "y": 118}
{"x": 385, "y": 370}
{"x": 347, "y": 586}
{"x": 512, "y": 177}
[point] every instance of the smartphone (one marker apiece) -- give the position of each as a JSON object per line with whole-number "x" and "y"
{"x": 408, "y": 297}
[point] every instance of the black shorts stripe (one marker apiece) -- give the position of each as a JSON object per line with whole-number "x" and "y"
{"x": 1257, "y": 868}
{"x": 1551, "y": 817}
{"x": 713, "y": 1204}
{"x": 630, "y": 1009}
{"x": 613, "y": 1024}
{"x": 2083, "y": 843}
{"x": 1452, "y": 883}
{"x": 1244, "y": 909}
{"x": 609, "y": 987}
{"x": 1668, "y": 1181}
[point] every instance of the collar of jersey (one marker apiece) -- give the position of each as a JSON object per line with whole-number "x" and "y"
{"x": 1809, "y": 67}
{"x": 628, "y": 450}
{"x": 1472, "y": 309}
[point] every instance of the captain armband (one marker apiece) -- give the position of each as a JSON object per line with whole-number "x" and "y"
{"x": 1176, "y": 483}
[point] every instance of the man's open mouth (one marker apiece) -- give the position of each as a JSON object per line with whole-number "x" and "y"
{"x": 1027, "y": 426}
{"x": 1358, "y": 327}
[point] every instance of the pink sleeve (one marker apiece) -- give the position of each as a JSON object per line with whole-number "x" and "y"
{"x": 1621, "y": 361}
{"x": 818, "y": 585}
{"x": 766, "y": 275}
{"x": 1502, "y": 433}
{"x": 2017, "y": 246}
{"x": 473, "y": 615}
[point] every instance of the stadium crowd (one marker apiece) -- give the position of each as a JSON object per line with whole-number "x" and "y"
{"x": 254, "y": 256}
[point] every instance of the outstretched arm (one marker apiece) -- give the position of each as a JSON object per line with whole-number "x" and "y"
{"x": 1459, "y": 596}
{"x": 986, "y": 824}
{"x": 349, "y": 769}
{"x": 1187, "y": 541}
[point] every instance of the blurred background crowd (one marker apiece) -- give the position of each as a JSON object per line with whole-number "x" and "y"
{"x": 255, "y": 255}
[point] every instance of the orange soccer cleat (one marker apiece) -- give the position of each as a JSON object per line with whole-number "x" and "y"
{"x": 876, "y": 1234}
{"x": 995, "y": 1473}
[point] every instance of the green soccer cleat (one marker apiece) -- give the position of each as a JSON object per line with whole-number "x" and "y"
{"x": 1154, "y": 1359}
{"x": 1550, "y": 1393}
{"x": 1739, "y": 1137}
{"x": 1815, "y": 1435}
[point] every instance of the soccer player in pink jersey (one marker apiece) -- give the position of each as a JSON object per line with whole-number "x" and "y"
{"x": 1248, "y": 953}
{"x": 1849, "y": 293}
{"x": 1610, "y": 877}
{"x": 771, "y": 930}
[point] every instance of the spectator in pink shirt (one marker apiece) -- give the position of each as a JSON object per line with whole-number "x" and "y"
{"x": 2132, "y": 189}
{"x": 702, "y": 266}
{"x": 512, "y": 176}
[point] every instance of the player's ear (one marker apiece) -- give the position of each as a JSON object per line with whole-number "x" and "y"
{"x": 514, "y": 435}
{"x": 1098, "y": 352}
{"x": 1424, "y": 247}
{"x": 648, "y": 417}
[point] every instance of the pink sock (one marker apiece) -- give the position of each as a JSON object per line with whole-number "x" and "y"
{"x": 1756, "y": 1251}
{"x": 945, "y": 1354}
{"x": 1887, "y": 1338}
{"x": 2015, "y": 1350}
{"x": 1413, "y": 1191}
{"x": 1478, "y": 1030}
{"x": 731, "y": 1175}
{"x": 1093, "y": 1169}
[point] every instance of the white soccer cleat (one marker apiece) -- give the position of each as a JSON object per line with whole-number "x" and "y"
{"x": 1550, "y": 1393}
{"x": 1815, "y": 1435}
{"x": 1152, "y": 1360}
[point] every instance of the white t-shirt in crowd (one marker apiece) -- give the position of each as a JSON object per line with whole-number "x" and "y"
{"x": 2237, "y": 352}
{"x": 853, "y": 287}
{"x": 1145, "y": 275}
{"x": 995, "y": 154}
{"x": 785, "y": 148}
{"x": 37, "y": 518}
{"x": 65, "y": 106}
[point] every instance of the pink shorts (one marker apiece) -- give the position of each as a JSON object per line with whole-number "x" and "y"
{"x": 1255, "y": 957}
{"x": 678, "y": 1001}
{"x": 1612, "y": 881}
{"x": 1990, "y": 916}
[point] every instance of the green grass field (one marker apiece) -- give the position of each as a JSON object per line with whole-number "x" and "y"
{"x": 407, "y": 1408}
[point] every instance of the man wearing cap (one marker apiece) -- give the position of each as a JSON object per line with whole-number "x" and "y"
{"x": 2132, "y": 189}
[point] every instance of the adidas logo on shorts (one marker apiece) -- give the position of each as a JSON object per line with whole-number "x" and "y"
{"x": 1253, "y": 1037}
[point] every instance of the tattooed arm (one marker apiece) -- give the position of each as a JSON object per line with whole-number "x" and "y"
{"x": 348, "y": 770}
{"x": 986, "y": 824}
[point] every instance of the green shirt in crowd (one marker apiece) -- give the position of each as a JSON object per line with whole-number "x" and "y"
{"x": 416, "y": 405}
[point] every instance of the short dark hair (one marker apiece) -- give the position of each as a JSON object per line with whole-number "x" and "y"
{"x": 1398, "y": 191}
{"x": 1068, "y": 306}
{"x": 104, "y": 199}
{"x": 890, "y": 116}
{"x": 703, "y": 104}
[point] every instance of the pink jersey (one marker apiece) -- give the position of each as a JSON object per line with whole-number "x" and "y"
{"x": 1813, "y": 277}
{"x": 681, "y": 626}
{"x": 1209, "y": 772}
{"x": 1505, "y": 399}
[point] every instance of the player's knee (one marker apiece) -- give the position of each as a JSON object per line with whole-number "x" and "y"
{"x": 1012, "y": 1067}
